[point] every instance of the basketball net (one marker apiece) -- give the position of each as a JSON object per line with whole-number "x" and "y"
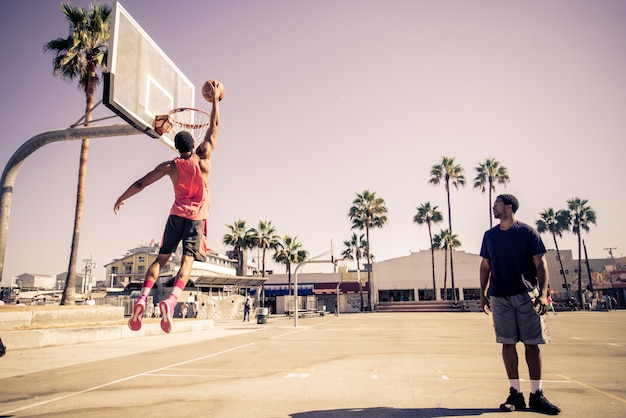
{"x": 194, "y": 121}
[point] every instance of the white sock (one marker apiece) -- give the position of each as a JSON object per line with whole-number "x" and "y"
{"x": 514, "y": 383}
{"x": 535, "y": 385}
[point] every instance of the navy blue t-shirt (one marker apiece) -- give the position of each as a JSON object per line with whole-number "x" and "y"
{"x": 511, "y": 255}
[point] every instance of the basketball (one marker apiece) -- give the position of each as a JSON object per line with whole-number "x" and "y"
{"x": 206, "y": 90}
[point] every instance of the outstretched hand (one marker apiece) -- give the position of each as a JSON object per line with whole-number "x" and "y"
{"x": 215, "y": 91}
{"x": 118, "y": 205}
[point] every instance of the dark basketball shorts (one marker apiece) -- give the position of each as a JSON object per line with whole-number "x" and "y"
{"x": 188, "y": 231}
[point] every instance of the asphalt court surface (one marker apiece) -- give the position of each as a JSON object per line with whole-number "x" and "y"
{"x": 358, "y": 365}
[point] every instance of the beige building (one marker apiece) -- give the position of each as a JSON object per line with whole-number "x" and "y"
{"x": 410, "y": 278}
{"x": 35, "y": 281}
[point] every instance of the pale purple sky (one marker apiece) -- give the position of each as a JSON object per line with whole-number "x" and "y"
{"x": 325, "y": 99}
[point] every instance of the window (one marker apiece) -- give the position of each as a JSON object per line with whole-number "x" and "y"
{"x": 142, "y": 258}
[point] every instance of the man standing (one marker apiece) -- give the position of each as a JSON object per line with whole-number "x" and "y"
{"x": 189, "y": 174}
{"x": 514, "y": 272}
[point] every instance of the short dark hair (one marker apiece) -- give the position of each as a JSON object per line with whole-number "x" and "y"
{"x": 183, "y": 142}
{"x": 509, "y": 199}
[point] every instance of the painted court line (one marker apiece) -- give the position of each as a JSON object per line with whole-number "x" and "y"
{"x": 617, "y": 398}
{"x": 114, "y": 382}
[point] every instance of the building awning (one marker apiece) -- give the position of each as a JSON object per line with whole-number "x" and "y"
{"x": 344, "y": 287}
{"x": 283, "y": 289}
{"x": 217, "y": 280}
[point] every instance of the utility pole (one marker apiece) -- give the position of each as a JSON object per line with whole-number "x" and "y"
{"x": 89, "y": 266}
{"x": 610, "y": 250}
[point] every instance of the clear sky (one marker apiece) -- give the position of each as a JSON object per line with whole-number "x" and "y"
{"x": 325, "y": 99}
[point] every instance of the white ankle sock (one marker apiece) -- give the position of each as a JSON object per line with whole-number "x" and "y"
{"x": 535, "y": 385}
{"x": 514, "y": 383}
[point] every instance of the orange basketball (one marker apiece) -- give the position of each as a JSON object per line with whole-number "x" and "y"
{"x": 206, "y": 90}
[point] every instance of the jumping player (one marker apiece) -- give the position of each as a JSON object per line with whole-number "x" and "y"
{"x": 189, "y": 174}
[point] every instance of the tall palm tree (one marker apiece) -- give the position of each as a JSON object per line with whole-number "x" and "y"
{"x": 581, "y": 215}
{"x": 446, "y": 240}
{"x": 240, "y": 239}
{"x": 367, "y": 212}
{"x": 429, "y": 215}
{"x": 81, "y": 56}
{"x": 488, "y": 174}
{"x": 289, "y": 251}
{"x": 264, "y": 237}
{"x": 555, "y": 223}
{"x": 354, "y": 249}
{"x": 448, "y": 172}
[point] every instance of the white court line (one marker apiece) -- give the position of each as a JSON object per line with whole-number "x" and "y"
{"x": 69, "y": 395}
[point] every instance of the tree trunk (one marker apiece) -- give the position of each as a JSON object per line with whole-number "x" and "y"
{"x": 490, "y": 197}
{"x": 69, "y": 293}
{"x": 580, "y": 266}
{"x": 558, "y": 254}
{"x": 370, "y": 280}
{"x": 432, "y": 256}
{"x": 445, "y": 274}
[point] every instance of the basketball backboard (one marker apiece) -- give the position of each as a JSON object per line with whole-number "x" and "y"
{"x": 141, "y": 82}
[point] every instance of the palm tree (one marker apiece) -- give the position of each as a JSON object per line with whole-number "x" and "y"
{"x": 449, "y": 172}
{"x": 446, "y": 240}
{"x": 240, "y": 239}
{"x": 264, "y": 237}
{"x": 430, "y": 216}
{"x": 488, "y": 174}
{"x": 367, "y": 212}
{"x": 289, "y": 252}
{"x": 80, "y": 56}
{"x": 556, "y": 223}
{"x": 354, "y": 249}
{"x": 581, "y": 215}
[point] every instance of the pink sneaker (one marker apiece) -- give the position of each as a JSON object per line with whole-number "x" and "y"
{"x": 167, "y": 311}
{"x": 134, "y": 323}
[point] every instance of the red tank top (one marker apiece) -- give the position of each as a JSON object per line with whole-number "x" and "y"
{"x": 191, "y": 194}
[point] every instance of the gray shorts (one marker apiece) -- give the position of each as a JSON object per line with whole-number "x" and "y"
{"x": 515, "y": 319}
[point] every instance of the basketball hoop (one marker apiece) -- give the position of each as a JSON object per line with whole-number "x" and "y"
{"x": 194, "y": 121}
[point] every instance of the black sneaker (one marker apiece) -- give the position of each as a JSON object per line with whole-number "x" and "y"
{"x": 3, "y": 349}
{"x": 538, "y": 402}
{"x": 515, "y": 402}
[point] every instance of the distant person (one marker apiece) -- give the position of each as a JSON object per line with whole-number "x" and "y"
{"x": 572, "y": 304}
{"x": 183, "y": 310}
{"x": 246, "y": 310}
{"x": 189, "y": 174}
{"x": 195, "y": 306}
{"x": 514, "y": 287}
{"x": 551, "y": 305}
{"x": 608, "y": 302}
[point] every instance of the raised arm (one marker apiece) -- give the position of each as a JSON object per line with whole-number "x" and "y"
{"x": 159, "y": 172}
{"x": 205, "y": 149}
